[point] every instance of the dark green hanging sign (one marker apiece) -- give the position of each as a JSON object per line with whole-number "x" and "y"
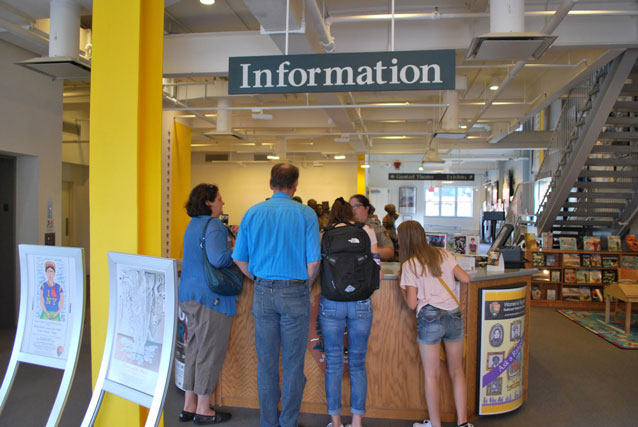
{"x": 431, "y": 176}
{"x": 342, "y": 72}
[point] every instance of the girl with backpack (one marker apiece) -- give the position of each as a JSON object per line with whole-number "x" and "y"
{"x": 340, "y": 241}
{"x": 426, "y": 274}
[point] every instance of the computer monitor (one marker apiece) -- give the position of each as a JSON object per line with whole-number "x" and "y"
{"x": 501, "y": 237}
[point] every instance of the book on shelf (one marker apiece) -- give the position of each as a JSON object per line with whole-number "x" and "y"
{"x": 585, "y": 293}
{"x": 591, "y": 243}
{"x": 629, "y": 261}
{"x": 538, "y": 259}
{"x": 555, "y": 276}
{"x": 582, "y": 276}
{"x": 596, "y": 295}
{"x": 567, "y": 243}
{"x": 570, "y": 275}
{"x": 530, "y": 242}
{"x": 632, "y": 242}
{"x": 608, "y": 277}
{"x": 610, "y": 261}
{"x": 551, "y": 260}
{"x": 596, "y": 260}
{"x": 613, "y": 243}
{"x": 551, "y": 294}
{"x": 585, "y": 260}
{"x": 571, "y": 260}
{"x": 548, "y": 240}
{"x": 536, "y": 292}
{"x": 571, "y": 293}
{"x": 542, "y": 275}
{"x": 595, "y": 277}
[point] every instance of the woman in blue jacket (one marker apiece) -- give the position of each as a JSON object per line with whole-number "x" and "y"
{"x": 208, "y": 315}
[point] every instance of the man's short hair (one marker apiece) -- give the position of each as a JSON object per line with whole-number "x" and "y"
{"x": 283, "y": 175}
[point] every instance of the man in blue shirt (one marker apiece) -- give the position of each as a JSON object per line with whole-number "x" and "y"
{"x": 278, "y": 246}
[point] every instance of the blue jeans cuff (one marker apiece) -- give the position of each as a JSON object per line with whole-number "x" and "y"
{"x": 357, "y": 411}
{"x": 334, "y": 412}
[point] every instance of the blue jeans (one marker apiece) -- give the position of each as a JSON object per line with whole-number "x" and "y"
{"x": 281, "y": 311}
{"x": 435, "y": 324}
{"x": 333, "y": 318}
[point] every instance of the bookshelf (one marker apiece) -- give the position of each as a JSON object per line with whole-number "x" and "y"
{"x": 576, "y": 279}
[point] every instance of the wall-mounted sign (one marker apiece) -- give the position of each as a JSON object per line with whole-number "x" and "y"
{"x": 431, "y": 176}
{"x": 342, "y": 72}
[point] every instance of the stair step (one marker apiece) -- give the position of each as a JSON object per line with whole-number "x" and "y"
{"x": 618, "y": 136}
{"x": 621, "y": 121}
{"x": 585, "y": 222}
{"x": 615, "y": 149}
{"x": 609, "y": 174}
{"x": 626, "y": 106}
{"x": 600, "y": 195}
{"x": 629, "y": 91}
{"x": 587, "y": 213}
{"x": 626, "y": 185}
{"x": 594, "y": 205}
{"x": 612, "y": 162}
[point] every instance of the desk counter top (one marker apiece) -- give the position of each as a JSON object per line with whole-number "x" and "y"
{"x": 390, "y": 270}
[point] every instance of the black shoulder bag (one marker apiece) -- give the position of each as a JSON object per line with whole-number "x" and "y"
{"x": 226, "y": 281}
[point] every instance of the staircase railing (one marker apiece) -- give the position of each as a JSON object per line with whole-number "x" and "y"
{"x": 521, "y": 207}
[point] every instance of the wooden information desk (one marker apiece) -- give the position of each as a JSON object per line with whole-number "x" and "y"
{"x": 395, "y": 375}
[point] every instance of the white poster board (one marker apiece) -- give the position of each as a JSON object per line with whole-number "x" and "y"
{"x": 140, "y": 334}
{"x": 51, "y": 316}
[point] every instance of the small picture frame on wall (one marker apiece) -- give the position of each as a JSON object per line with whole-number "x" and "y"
{"x": 407, "y": 200}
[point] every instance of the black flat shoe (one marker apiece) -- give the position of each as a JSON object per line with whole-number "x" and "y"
{"x": 219, "y": 417}
{"x": 186, "y": 416}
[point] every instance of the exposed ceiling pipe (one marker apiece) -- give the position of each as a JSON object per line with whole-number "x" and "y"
{"x": 549, "y": 28}
{"x": 64, "y": 33}
{"x": 327, "y": 41}
{"x": 506, "y": 66}
{"x": 360, "y": 120}
{"x": 435, "y": 16}
{"x": 32, "y": 37}
{"x": 183, "y": 106}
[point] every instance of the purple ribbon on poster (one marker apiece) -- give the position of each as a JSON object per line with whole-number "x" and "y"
{"x": 501, "y": 367}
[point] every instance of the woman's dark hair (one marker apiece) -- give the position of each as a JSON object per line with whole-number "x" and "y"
{"x": 283, "y": 175}
{"x": 365, "y": 202}
{"x": 341, "y": 212}
{"x": 196, "y": 204}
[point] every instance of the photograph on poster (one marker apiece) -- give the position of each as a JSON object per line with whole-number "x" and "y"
{"x": 407, "y": 200}
{"x": 50, "y": 288}
{"x": 515, "y": 330}
{"x": 438, "y": 240}
{"x": 494, "y": 358}
{"x": 514, "y": 369}
{"x": 495, "y": 387}
{"x": 139, "y": 327}
{"x": 496, "y": 335}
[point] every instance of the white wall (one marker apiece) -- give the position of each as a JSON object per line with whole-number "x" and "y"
{"x": 78, "y": 175}
{"x": 378, "y": 177}
{"x": 242, "y": 187}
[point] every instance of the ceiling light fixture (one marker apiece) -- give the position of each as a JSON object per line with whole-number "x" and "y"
{"x": 207, "y": 2}
{"x": 421, "y": 167}
{"x": 339, "y": 157}
{"x": 344, "y": 138}
{"x": 463, "y": 126}
{"x": 494, "y": 83}
{"x": 272, "y": 157}
{"x": 365, "y": 166}
{"x": 449, "y": 134}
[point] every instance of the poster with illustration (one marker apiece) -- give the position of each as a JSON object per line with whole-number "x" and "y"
{"x": 502, "y": 341}
{"x": 139, "y": 327}
{"x": 51, "y": 280}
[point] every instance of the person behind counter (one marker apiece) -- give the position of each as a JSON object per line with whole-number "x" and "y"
{"x": 334, "y": 316}
{"x": 278, "y": 246}
{"x": 208, "y": 315}
{"x": 439, "y": 318}
{"x": 362, "y": 213}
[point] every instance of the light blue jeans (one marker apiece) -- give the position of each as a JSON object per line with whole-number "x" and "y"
{"x": 334, "y": 316}
{"x": 281, "y": 312}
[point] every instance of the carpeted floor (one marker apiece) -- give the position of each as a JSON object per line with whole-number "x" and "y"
{"x": 614, "y": 333}
{"x": 575, "y": 378}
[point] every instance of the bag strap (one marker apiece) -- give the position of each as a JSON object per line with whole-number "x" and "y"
{"x": 202, "y": 242}
{"x": 449, "y": 291}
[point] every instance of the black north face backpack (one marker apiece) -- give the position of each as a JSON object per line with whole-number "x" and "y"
{"x": 348, "y": 270}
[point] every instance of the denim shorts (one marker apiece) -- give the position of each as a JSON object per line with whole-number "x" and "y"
{"x": 435, "y": 324}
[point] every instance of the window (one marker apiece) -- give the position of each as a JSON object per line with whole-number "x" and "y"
{"x": 449, "y": 201}
{"x": 540, "y": 188}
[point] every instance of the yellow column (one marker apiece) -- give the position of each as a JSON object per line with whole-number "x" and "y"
{"x": 124, "y": 166}
{"x": 361, "y": 175}
{"x": 181, "y": 186}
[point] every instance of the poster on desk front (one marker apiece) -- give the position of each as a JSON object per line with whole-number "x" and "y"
{"x": 501, "y": 351}
{"x": 51, "y": 282}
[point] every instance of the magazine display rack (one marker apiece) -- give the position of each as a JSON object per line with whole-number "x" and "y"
{"x": 577, "y": 279}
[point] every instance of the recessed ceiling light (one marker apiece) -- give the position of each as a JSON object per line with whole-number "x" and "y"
{"x": 339, "y": 157}
{"x": 272, "y": 157}
{"x": 494, "y": 83}
{"x": 365, "y": 166}
{"x": 421, "y": 167}
{"x": 393, "y": 137}
{"x": 463, "y": 126}
{"x": 207, "y": 2}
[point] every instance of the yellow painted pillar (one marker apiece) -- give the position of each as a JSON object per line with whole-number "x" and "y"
{"x": 361, "y": 175}
{"x": 181, "y": 186}
{"x": 125, "y": 161}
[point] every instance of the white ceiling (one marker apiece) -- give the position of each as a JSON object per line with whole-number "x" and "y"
{"x": 584, "y": 43}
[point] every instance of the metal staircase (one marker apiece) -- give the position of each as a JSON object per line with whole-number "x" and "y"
{"x": 593, "y": 158}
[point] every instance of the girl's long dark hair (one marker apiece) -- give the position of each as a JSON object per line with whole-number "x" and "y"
{"x": 414, "y": 247}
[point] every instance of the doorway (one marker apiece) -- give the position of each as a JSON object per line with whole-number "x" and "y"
{"x": 8, "y": 256}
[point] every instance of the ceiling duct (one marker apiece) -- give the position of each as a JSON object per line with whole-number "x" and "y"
{"x": 223, "y": 132}
{"x": 432, "y": 156}
{"x": 63, "y": 61}
{"x": 507, "y": 39}
{"x": 450, "y": 122}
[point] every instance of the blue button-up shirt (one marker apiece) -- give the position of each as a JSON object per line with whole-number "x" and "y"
{"x": 278, "y": 238}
